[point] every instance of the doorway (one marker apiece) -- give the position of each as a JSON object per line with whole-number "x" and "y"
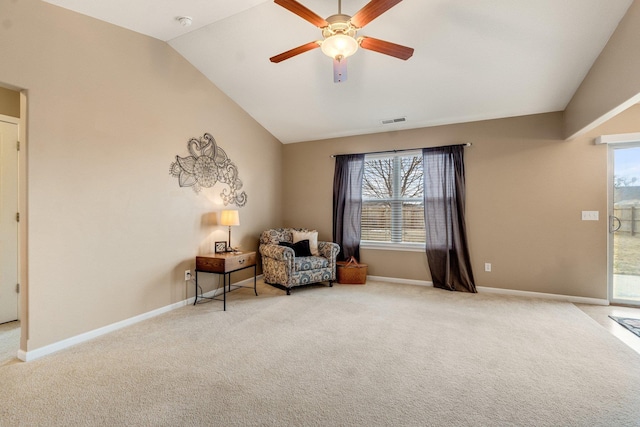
{"x": 624, "y": 223}
{"x": 9, "y": 288}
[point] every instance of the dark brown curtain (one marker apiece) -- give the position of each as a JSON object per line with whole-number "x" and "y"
{"x": 444, "y": 198}
{"x": 347, "y": 204}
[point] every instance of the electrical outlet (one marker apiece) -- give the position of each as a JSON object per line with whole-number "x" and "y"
{"x": 487, "y": 266}
{"x": 187, "y": 275}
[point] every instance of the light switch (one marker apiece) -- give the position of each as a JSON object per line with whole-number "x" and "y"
{"x": 590, "y": 215}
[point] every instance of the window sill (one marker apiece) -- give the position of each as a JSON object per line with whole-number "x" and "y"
{"x": 381, "y": 246}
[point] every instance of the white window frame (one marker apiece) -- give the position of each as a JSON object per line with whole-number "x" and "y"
{"x": 393, "y": 246}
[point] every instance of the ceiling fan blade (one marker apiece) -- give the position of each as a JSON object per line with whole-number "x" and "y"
{"x": 371, "y": 11}
{"x": 388, "y": 48}
{"x": 340, "y": 70}
{"x": 293, "y": 52}
{"x": 304, "y": 13}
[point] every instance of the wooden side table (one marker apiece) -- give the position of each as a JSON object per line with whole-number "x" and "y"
{"x": 225, "y": 264}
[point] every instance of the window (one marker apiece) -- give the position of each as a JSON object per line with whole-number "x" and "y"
{"x": 392, "y": 202}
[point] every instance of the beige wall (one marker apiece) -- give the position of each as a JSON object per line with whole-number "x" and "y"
{"x": 110, "y": 231}
{"x": 9, "y": 102}
{"x": 613, "y": 83}
{"x": 526, "y": 188}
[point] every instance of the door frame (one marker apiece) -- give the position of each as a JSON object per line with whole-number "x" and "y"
{"x": 23, "y": 230}
{"x": 627, "y": 140}
{"x": 23, "y": 251}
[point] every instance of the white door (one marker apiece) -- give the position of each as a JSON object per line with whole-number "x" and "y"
{"x": 624, "y": 224}
{"x": 8, "y": 222}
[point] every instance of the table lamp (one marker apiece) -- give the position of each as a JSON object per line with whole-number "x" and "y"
{"x": 229, "y": 218}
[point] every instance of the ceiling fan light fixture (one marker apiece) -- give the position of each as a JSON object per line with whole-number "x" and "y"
{"x": 339, "y": 46}
{"x": 339, "y": 34}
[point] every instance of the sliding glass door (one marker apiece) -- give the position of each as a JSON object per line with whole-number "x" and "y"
{"x": 624, "y": 224}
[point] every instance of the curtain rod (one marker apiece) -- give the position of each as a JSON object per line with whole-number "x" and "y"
{"x": 466, "y": 144}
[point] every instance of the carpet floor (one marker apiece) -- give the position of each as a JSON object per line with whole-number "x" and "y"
{"x": 9, "y": 342}
{"x": 373, "y": 355}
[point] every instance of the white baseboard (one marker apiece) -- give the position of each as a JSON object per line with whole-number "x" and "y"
{"x": 401, "y": 281}
{"x": 27, "y": 356}
{"x": 556, "y": 297}
{"x": 69, "y": 342}
{"x": 514, "y": 292}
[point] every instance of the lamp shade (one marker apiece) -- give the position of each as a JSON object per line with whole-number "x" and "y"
{"x": 339, "y": 46}
{"x": 229, "y": 218}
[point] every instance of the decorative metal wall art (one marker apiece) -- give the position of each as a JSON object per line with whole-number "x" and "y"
{"x": 207, "y": 165}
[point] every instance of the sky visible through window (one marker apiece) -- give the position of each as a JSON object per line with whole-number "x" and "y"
{"x": 627, "y": 164}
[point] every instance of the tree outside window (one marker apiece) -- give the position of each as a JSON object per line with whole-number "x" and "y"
{"x": 392, "y": 208}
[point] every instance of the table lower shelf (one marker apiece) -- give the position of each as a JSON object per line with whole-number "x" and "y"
{"x": 226, "y": 285}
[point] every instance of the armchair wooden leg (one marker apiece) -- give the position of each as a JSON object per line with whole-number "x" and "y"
{"x": 330, "y": 284}
{"x": 288, "y": 291}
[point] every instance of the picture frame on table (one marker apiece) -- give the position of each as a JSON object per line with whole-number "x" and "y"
{"x": 220, "y": 247}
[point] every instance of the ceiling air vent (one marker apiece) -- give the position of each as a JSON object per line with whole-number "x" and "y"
{"x": 392, "y": 121}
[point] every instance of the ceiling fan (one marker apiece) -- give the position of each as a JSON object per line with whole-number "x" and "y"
{"x": 339, "y": 35}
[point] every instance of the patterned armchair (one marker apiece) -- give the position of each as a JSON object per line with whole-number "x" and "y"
{"x": 281, "y": 268}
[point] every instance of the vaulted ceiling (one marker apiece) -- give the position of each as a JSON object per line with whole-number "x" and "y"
{"x": 473, "y": 60}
